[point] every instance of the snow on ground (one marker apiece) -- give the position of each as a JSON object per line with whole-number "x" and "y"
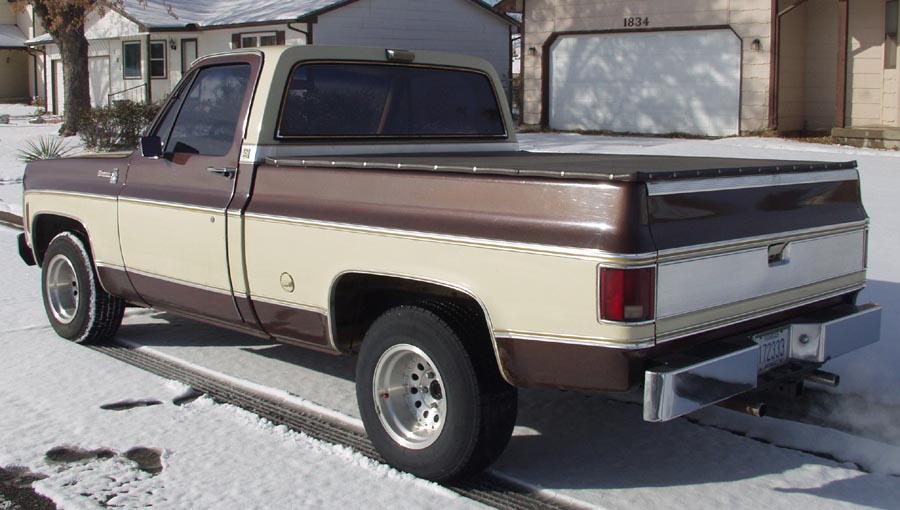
{"x": 212, "y": 456}
{"x": 13, "y": 137}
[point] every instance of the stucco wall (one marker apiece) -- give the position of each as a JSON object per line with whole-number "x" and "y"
{"x": 750, "y": 19}
{"x": 444, "y": 25}
{"x": 14, "y": 82}
{"x": 7, "y": 14}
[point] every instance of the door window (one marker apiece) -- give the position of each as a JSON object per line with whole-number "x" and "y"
{"x": 131, "y": 59}
{"x": 208, "y": 118}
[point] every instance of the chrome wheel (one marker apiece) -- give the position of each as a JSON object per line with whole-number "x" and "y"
{"x": 62, "y": 289}
{"x": 409, "y": 396}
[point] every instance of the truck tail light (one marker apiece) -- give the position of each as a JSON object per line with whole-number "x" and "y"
{"x": 627, "y": 295}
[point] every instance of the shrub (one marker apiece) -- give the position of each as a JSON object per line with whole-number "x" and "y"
{"x": 45, "y": 147}
{"x": 116, "y": 127}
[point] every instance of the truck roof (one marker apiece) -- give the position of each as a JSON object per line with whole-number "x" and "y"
{"x": 279, "y": 61}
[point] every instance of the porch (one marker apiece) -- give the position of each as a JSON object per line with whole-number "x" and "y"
{"x": 878, "y": 137}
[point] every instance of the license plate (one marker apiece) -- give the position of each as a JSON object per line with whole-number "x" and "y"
{"x": 772, "y": 348}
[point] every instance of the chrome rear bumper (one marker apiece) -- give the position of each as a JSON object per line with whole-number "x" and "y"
{"x": 686, "y": 382}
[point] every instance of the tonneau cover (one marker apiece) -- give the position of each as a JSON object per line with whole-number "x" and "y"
{"x": 607, "y": 167}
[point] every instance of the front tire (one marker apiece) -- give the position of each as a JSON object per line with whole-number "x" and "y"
{"x": 77, "y": 307}
{"x": 429, "y": 392}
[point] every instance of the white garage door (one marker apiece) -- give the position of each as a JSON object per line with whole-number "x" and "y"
{"x": 647, "y": 82}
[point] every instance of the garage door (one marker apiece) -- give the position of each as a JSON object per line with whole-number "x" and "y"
{"x": 647, "y": 82}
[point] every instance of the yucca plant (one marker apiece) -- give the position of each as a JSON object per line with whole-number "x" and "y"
{"x": 45, "y": 147}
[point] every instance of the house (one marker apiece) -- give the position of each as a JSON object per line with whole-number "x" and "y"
{"x": 15, "y": 79}
{"x": 139, "y": 52}
{"x": 708, "y": 67}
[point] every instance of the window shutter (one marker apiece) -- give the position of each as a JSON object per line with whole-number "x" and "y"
{"x": 279, "y": 37}
{"x": 235, "y": 41}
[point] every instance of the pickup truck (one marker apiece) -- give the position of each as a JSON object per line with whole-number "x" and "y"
{"x": 375, "y": 202}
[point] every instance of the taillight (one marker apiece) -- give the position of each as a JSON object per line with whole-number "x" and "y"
{"x": 627, "y": 295}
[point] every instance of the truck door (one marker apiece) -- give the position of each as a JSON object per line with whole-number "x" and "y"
{"x": 172, "y": 209}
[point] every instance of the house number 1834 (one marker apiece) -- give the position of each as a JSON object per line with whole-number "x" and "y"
{"x": 637, "y": 21}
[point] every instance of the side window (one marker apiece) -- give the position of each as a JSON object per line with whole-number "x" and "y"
{"x": 164, "y": 128}
{"x": 208, "y": 118}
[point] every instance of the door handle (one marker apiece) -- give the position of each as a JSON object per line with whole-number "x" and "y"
{"x": 228, "y": 172}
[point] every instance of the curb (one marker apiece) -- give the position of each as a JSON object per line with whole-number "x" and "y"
{"x": 11, "y": 220}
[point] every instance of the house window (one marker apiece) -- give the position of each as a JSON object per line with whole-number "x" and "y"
{"x": 131, "y": 59}
{"x": 157, "y": 59}
{"x": 890, "y": 34}
{"x": 257, "y": 39}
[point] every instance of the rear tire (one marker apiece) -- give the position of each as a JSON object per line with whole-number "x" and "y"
{"x": 77, "y": 307}
{"x": 429, "y": 392}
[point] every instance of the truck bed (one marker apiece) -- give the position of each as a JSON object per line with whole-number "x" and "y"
{"x": 605, "y": 167}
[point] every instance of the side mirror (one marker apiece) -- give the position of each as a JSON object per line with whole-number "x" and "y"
{"x": 151, "y": 146}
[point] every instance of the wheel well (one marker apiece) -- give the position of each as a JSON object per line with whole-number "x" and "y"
{"x": 47, "y": 226}
{"x": 357, "y": 299}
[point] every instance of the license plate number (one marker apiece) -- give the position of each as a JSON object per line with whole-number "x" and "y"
{"x": 772, "y": 348}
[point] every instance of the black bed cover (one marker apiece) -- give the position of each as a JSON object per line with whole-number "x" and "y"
{"x": 607, "y": 167}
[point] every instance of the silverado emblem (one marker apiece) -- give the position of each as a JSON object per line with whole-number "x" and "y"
{"x": 112, "y": 176}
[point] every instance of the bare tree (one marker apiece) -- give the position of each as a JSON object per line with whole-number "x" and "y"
{"x": 64, "y": 20}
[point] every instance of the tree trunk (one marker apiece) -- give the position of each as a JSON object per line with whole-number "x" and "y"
{"x": 73, "y": 47}
{"x": 65, "y": 22}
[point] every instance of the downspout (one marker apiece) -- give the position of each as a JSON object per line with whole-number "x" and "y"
{"x": 307, "y": 33}
{"x": 46, "y": 90}
{"x": 148, "y": 93}
{"x": 34, "y": 60}
{"x": 774, "y": 63}
{"x": 840, "y": 107}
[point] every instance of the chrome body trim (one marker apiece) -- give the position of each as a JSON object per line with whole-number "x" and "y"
{"x": 110, "y": 266}
{"x": 692, "y": 285}
{"x": 712, "y": 249}
{"x": 692, "y": 381}
{"x": 625, "y": 260}
{"x": 640, "y": 343}
{"x": 257, "y": 153}
{"x": 463, "y": 290}
{"x": 820, "y": 341}
{"x": 288, "y": 304}
{"x": 673, "y": 187}
{"x": 676, "y": 390}
{"x": 172, "y": 205}
{"x": 176, "y": 281}
{"x": 735, "y": 319}
{"x": 599, "y": 289}
{"x": 70, "y": 194}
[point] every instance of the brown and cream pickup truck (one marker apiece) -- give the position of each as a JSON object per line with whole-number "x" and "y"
{"x": 375, "y": 202}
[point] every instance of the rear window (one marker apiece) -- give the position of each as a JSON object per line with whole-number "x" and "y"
{"x": 352, "y": 100}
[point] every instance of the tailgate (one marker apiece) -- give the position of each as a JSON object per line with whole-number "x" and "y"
{"x": 739, "y": 247}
